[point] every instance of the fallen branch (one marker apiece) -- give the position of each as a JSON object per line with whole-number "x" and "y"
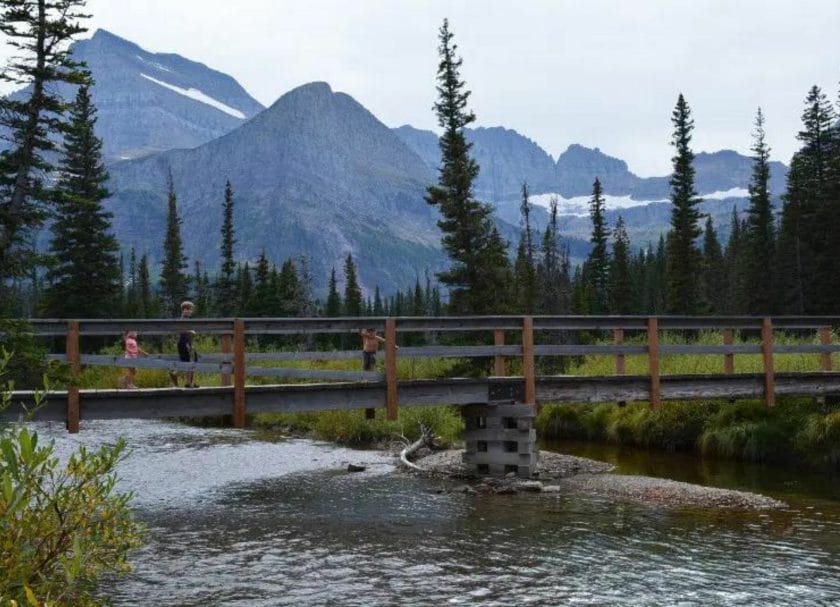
{"x": 427, "y": 439}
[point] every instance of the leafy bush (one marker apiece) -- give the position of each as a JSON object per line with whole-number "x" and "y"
{"x": 61, "y": 526}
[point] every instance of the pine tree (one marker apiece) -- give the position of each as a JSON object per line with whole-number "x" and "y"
{"x": 736, "y": 300}
{"x": 807, "y": 258}
{"x": 352, "y": 292}
{"x": 621, "y": 297}
{"x": 683, "y": 257}
{"x": 332, "y": 307}
{"x": 147, "y": 304}
{"x": 714, "y": 276}
{"x": 760, "y": 238}
{"x": 304, "y": 300}
{"x": 39, "y": 34}
{"x": 478, "y": 278}
{"x": 555, "y": 288}
{"x": 263, "y": 296}
{"x": 596, "y": 268}
{"x": 378, "y": 308}
{"x": 84, "y": 278}
{"x": 244, "y": 290}
{"x": 225, "y": 287}
{"x": 201, "y": 291}
{"x": 525, "y": 266}
{"x": 173, "y": 281}
{"x": 289, "y": 288}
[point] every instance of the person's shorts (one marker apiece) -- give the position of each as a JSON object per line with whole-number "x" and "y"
{"x": 369, "y": 360}
{"x": 184, "y": 352}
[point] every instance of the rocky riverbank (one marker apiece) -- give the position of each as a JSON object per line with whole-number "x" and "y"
{"x": 559, "y": 473}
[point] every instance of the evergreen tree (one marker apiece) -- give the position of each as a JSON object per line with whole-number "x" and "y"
{"x": 304, "y": 301}
{"x": 203, "y": 297}
{"x": 147, "y": 304}
{"x": 760, "y": 238}
{"x": 478, "y": 278}
{"x": 225, "y": 287}
{"x": 525, "y": 267}
{"x": 332, "y": 307}
{"x": 735, "y": 266}
{"x": 173, "y": 281}
{"x": 39, "y": 34}
{"x": 807, "y": 256}
{"x": 378, "y": 308}
{"x": 553, "y": 271}
{"x": 352, "y": 292}
{"x": 683, "y": 257}
{"x": 621, "y": 296}
{"x": 244, "y": 290}
{"x": 263, "y": 295}
{"x": 290, "y": 293}
{"x": 714, "y": 277}
{"x": 84, "y": 279}
{"x": 596, "y": 268}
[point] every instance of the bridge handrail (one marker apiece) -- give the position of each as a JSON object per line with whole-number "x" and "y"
{"x": 406, "y": 324}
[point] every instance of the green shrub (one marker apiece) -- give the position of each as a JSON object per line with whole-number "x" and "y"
{"x": 819, "y": 439}
{"x": 562, "y": 421}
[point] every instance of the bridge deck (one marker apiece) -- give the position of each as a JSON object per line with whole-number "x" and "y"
{"x": 216, "y": 401}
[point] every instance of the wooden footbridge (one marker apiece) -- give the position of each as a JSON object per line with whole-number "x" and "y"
{"x": 518, "y": 342}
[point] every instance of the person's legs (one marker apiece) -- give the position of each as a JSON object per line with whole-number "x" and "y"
{"x": 124, "y": 378}
{"x": 132, "y": 372}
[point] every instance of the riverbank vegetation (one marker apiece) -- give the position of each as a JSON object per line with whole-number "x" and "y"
{"x": 63, "y": 524}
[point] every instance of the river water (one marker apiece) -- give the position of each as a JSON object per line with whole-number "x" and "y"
{"x": 236, "y": 520}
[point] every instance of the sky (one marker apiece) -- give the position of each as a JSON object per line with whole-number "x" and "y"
{"x": 602, "y": 73}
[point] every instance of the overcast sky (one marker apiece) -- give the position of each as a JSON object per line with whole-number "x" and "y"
{"x": 603, "y": 73}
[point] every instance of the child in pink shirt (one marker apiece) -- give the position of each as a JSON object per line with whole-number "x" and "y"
{"x": 132, "y": 350}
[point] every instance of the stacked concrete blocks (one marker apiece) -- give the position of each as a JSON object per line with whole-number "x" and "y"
{"x": 500, "y": 438}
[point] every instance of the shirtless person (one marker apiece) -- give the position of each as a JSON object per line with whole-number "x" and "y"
{"x": 370, "y": 346}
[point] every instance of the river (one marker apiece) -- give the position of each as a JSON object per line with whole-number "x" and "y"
{"x": 233, "y": 519}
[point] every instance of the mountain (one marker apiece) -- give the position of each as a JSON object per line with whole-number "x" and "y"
{"x": 314, "y": 174}
{"x": 150, "y": 102}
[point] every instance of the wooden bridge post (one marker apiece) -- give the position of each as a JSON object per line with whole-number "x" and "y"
{"x": 825, "y": 357}
{"x": 767, "y": 355}
{"x": 499, "y": 366}
{"x": 225, "y": 343}
{"x": 653, "y": 362}
{"x": 728, "y": 359}
{"x": 73, "y": 359}
{"x": 239, "y": 373}
{"x": 528, "y": 370}
{"x": 618, "y": 340}
{"x": 391, "y": 368}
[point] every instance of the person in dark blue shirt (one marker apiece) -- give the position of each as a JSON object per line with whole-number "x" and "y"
{"x": 186, "y": 352}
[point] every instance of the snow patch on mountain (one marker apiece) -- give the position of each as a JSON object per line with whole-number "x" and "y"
{"x": 198, "y": 96}
{"x": 579, "y": 205}
{"x": 154, "y": 64}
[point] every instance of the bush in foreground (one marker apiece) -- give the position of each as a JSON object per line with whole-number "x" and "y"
{"x": 61, "y": 526}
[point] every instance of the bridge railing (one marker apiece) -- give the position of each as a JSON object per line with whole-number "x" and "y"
{"x": 235, "y": 363}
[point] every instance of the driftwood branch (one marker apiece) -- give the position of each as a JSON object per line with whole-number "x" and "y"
{"x": 427, "y": 439}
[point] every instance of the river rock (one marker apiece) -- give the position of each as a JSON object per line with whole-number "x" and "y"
{"x": 356, "y": 468}
{"x": 530, "y": 486}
